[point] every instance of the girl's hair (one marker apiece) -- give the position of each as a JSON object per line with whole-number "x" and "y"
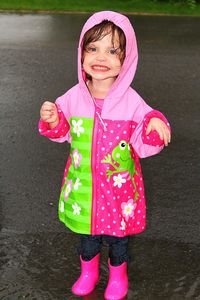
{"x": 102, "y": 29}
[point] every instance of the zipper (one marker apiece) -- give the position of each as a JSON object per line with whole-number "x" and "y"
{"x": 101, "y": 121}
{"x": 98, "y": 114}
{"x": 93, "y": 161}
{"x": 94, "y": 179}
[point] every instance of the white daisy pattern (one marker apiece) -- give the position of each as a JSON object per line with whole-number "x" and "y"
{"x": 76, "y": 208}
{"x": 62, "y": 207}
{"x": 77, "y": 184}
{"x": 77, "y": 128}
{"x": 123, "y": 225}
{"x": 119, "y": 180}
{"x": 128, "y": 209}
{"x": 67, "y": 189}
{"x": 77, "y": 158}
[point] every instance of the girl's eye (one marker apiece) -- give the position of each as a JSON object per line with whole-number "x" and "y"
{"x": 91, "y": 49}
{"x": 113, "y": 51}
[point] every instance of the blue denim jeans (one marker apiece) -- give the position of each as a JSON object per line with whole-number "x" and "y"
{"x": 90, "y": 246}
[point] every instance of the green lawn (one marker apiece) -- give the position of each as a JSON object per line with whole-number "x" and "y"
{"x": 131, "y": 6}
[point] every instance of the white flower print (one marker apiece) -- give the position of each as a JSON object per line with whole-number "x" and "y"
{"x": 76, "y": 209}
{"x": 77, "y": 158}
{"x": 77, "y": 128}
{"x": 118, "y": 180}
{"x": 128, "y": 209}
{"x": 62, "y": 207}
{"x": 77, "y": 184}
{"x": 123, "y": 225}
{"x": 68, "y": 189}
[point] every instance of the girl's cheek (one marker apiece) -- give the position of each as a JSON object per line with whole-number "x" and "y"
{"x": 83, "y": 56}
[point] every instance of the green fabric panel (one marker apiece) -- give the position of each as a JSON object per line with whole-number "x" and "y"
{"x": 75, "y": 226}
{"x": 84, "y": 169}
{"x": 75, "y": 205}
{"x": 84, "y": 146}
{"x": 83, "y": 215}
{"x": 83, "y": 175}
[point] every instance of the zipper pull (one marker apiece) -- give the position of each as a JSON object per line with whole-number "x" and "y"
{"x": 101, "y": 121}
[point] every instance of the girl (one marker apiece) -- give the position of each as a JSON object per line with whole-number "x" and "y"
{"x": 109, "y": 128}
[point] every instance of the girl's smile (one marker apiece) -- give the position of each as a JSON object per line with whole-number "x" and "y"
{"x": 100, "y": 68}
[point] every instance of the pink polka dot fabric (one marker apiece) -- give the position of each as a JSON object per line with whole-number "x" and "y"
{"x": 117, "y": 213}
{"x": 120, "y": 208}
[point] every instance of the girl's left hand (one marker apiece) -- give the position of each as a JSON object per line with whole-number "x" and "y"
{"x": 162, "y": 129}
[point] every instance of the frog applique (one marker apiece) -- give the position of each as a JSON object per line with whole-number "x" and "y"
{"x": 121, "y": 161}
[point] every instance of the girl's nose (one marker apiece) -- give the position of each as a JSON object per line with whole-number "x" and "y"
{"x": 101, "y": 56}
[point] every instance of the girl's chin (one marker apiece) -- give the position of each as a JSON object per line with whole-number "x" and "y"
{"x": 101, "y": 76}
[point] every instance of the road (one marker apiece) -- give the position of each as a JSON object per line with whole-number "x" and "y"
{"x": 38, "y": 254}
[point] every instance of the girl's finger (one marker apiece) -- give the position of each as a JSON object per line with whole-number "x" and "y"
{"x": 46, "y": 114}
{"x": 148, "y": 129}
{"x": 48, "y": 107}
{"x": 166, "y": 140}
{"x": 50, "y": 120}
{"x": 168, "y": 135}
{"x": 49, "y": 103}
{"x": 49, "y": 113}
{"x": 161, "y": 134}
{"x": 46, "y": 119}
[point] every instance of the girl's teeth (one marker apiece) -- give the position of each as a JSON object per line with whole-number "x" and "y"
{"x": 100, "y": 68}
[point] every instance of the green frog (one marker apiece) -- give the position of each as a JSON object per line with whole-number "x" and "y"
{"x": 121, "y": 161}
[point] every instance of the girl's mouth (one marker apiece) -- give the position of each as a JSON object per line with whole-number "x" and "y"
{"x": 100, "y": 68}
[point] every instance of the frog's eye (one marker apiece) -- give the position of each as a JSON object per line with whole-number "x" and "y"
{"x": 122, "y": 145}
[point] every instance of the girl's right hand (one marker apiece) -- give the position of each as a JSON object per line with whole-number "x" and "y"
{"x": 49, "y": 113}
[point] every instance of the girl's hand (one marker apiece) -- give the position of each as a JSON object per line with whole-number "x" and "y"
{"x": 49, "y": 113}
{"x": 161, "y": 128}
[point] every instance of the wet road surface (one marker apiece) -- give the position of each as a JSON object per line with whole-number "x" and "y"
{"x": 44, "y": 266}
{"x": 37, "y": 253}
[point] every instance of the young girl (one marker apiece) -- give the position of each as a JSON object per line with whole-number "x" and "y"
{"x": 109, "y": 128}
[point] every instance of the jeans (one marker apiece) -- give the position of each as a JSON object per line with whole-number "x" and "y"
{"x": 90, "y": 246}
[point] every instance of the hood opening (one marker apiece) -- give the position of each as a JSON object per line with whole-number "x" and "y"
{"x": 127, "y": 72}
{"x": 98, "y": 32}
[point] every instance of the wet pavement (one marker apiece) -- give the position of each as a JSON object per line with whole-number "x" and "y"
{"x": 38, "y": 257}
{"x": 44, "y": 266}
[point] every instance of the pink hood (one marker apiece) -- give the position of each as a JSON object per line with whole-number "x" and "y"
{"x": 128, "y": 69}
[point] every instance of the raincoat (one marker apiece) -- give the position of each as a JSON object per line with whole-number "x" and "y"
{"x": 102, "y": 190}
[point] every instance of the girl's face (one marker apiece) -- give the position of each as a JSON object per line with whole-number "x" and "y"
{"x": 101, "y": 59}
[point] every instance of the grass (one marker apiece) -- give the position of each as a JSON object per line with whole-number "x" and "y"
{"x": 128, "y": 6}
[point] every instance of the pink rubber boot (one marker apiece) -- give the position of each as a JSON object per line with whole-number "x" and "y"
{"x": 117, "y": 287}
{"x": 89, "y": 277}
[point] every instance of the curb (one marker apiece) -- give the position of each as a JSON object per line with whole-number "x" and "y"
{"x": 65, "y": 12}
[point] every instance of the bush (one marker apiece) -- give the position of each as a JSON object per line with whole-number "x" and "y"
{"x": 190, "y": 3}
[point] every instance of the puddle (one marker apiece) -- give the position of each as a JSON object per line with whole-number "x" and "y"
{"x": 45, "y": 265}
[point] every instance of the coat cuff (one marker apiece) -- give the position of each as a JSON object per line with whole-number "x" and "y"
{"x": 153, "y": 137}
{"x": 57, "y": 132}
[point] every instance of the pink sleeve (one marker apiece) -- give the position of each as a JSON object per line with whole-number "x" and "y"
{"x": 58, "y": 133}
{"x": 151, "y": 144}
{"x": 153, "y": 137}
